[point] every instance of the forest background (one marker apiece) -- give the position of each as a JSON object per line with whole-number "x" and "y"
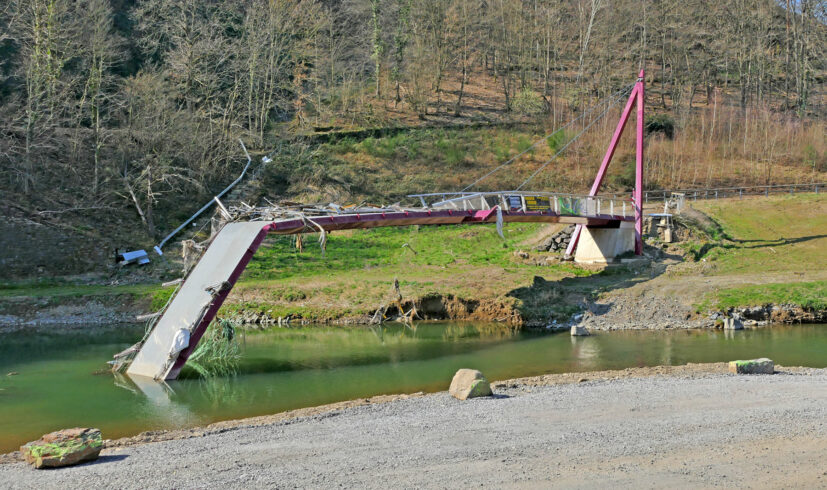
{"x": 121, "y": 117}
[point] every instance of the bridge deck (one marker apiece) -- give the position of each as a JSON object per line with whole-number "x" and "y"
{"x": 208, "y": 284}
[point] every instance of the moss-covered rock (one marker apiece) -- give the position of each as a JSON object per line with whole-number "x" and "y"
{"x": 754, "y": 366}
{"x": 64, "y": 448}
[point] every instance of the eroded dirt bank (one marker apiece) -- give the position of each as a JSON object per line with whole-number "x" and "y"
{"x": 666, "y": 426}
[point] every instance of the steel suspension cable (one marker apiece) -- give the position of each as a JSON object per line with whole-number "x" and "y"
{"x": 618, "y": 94}
{"x": 561, "y": 150}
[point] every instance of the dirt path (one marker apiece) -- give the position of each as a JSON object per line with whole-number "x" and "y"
{"x": 688, "y": 426}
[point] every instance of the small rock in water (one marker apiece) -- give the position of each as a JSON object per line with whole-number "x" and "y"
{"x": 733, "y": 324}
{"x": 579, "y": 331}
{"x": 64, "y": 448}
{"x": 469, "y": 383}
{"x": 754, "y": 366}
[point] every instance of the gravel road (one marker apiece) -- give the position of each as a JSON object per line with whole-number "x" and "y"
{"x": 698, "y": 430}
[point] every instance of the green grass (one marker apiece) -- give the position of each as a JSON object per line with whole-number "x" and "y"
{"x": 557, "y": 140}
{"x": 355, "y": 275}
{"x": 53, "y": 289}
{"x": 782, "y": 236}
{"x": 218, "y": 352}
{"x": 383, "y": 247}
{"x": 777, "y": 234}
{"x": 159, "y": 297}
{"x": 808, "y": 295}
{"x": 54, "y": 293}
{"x": 387, "y": 168}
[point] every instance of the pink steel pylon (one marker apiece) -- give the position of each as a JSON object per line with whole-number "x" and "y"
{"x": 637, "y": 95}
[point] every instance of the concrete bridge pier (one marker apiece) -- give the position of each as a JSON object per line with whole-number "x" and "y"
{"x": 602, "y": 245}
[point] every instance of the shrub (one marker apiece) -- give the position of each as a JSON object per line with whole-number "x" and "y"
{"x": 528, "y": 102}
{"x": 451, "y": 151}
{"x": 660, "y": 123}
{"x": 557, "y": 140}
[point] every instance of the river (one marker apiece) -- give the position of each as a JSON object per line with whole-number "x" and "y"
{"x": 57, "y": 377}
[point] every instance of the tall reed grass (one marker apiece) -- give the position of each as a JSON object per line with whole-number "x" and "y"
{"x": 218, "y": 353}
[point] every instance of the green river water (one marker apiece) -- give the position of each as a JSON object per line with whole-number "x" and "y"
{"x": 60, "y": 382}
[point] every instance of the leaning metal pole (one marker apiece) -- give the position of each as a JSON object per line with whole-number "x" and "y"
{"x": 174, "y": 232}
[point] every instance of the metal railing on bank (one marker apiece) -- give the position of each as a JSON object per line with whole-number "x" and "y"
{"x": 734, "y": 192}
{"x": 728, "y": 192}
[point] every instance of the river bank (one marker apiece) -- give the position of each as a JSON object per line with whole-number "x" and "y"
{"x": 685, "y": 425}
{"x": 644, "y": 307}
{"x": 760, "y": 258}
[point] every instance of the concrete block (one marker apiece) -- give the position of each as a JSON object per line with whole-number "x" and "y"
{"x": 754, "y": 366}
{"x": 579, "y": 331}
{"x": 733, "y": 324}
{"x": 601, "y": 245}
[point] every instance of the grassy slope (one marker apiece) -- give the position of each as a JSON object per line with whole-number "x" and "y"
{"x": 389, "y": 167}
{"x": 358, "y": 269}
{"x": 785, "y": 235}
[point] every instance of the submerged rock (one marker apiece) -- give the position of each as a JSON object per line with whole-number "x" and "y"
{"x": 469, "y": 383}
{"x": 754, "y": 366}
{"x": 64, "y": 448}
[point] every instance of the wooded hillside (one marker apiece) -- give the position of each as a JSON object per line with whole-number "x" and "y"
{"x": 134, "y": 107}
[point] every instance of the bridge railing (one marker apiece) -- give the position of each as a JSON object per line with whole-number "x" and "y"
{"x": 729, "y": 192}
{"x": 546, "y": 202}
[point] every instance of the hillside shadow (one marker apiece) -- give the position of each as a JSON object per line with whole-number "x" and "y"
{"x": 559, "y": 299}
{"x": 755, "y": 244}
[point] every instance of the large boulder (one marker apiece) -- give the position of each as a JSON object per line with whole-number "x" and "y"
{"x": 64, "y": 448}
{"x": 469, "y": 383}
{"x": 754, "y": 366}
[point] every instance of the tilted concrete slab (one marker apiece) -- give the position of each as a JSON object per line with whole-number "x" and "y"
{"x": 216, "y": 267}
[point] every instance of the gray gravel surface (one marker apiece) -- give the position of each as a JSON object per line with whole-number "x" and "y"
{"x": 664, "y": 431}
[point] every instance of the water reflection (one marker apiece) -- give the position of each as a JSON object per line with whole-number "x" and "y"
{"x": 586, "y": 351}
{"x": 156, "y": 397}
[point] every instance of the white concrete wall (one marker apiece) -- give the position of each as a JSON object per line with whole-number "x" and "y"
{"x": 601, "y": 245}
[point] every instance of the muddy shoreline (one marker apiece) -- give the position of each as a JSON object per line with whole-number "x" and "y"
{"x": 621, "y": 312}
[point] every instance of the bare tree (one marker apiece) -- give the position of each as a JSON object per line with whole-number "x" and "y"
{"x": 377, "y": 42}
{"x": 401, "y": 37}
{"x": 100, "y": 50}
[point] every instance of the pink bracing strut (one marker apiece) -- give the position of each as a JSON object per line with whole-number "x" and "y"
{"x": 637, "y": 95}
